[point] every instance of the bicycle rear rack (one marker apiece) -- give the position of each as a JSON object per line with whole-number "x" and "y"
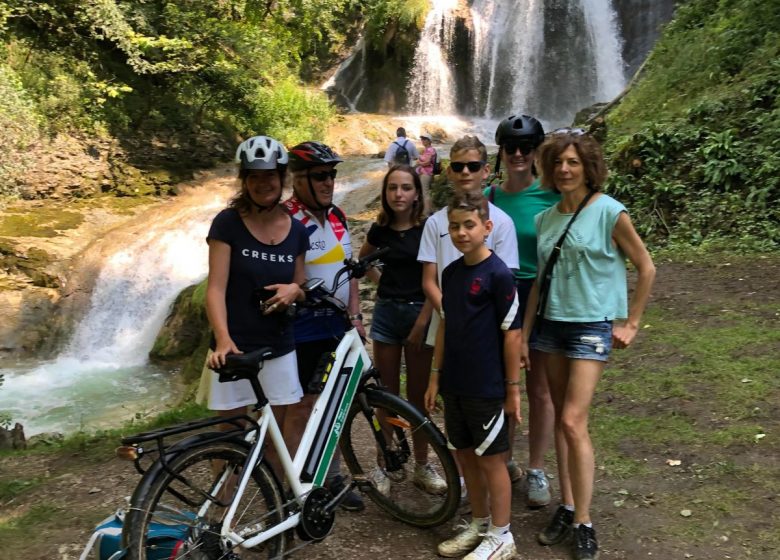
{"x": 132, "y": 450}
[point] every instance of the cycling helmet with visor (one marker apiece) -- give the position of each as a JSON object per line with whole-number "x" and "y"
{"x": 518, "y": 132}
{"x": 305, "y": 156}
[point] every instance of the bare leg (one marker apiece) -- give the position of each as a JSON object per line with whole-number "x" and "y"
{"x": 499, "y": 487}
{"x": 475, "y": 481}
{"x": 558, "y": 378}
{"x": 541, "y": 414}
{"x": 418, "y": 368}
{"x": 584, "y": 375}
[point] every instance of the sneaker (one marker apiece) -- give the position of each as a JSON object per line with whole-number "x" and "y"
{"x": 559, "y": 528}
{"x": 494, "y": 548}
{"x": 538, "y": 488}
{"x": 465, "y": 541}
{"x": 585, "y": 545}
{"x": 378, "y": 478}
{"x": 515, "y": 472}
{"x": 426, "y": 478}
{"x": 351, "y": 502}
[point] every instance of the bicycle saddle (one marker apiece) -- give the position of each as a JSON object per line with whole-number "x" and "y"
{"x": 243, "y": 366}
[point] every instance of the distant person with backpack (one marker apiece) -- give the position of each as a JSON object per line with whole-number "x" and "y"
{"x": 401, "y": 151}
{"x": 426, "y": 168}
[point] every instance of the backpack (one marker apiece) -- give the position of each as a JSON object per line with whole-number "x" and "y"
{"x": 165, "y": 540}
{"x": 402, "y": 154}
{"x": 436, "y": 164}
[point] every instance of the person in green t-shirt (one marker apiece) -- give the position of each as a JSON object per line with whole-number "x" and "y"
{"x": 520, "y": 196}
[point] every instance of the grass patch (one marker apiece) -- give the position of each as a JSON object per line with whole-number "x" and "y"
{"x": 38, "y": 515}
{"x": 12, "y": 488}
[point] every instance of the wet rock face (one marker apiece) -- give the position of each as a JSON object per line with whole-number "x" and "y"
{"x": 640, "y": 23}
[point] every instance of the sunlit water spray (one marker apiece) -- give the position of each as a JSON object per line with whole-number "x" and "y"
{"x": 103, "y": 374}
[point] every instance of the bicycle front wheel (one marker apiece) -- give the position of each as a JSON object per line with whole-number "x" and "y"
{"x": 404, "y": 458}
{"x": 174, "y": 517}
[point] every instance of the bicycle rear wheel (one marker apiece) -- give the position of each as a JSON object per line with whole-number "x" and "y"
{"x": 379, "y": 414}
{"x": 167, "y": 518}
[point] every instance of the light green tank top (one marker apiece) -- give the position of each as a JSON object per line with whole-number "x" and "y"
{"x": 589, "y": 279}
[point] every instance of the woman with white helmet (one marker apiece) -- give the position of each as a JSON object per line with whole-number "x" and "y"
{"x": 256, "y": 253}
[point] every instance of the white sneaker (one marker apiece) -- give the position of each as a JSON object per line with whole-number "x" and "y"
{"x": 494, "y": 548}
{"x": 465, "y": 541}
{"x": 426, "y": 478}
{"x": 378, "y": 478}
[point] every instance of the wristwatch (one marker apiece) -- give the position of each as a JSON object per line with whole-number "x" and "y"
{"x": 356, "y": 317}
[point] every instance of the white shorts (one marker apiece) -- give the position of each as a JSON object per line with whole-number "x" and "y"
{"x": 278, "y": 378}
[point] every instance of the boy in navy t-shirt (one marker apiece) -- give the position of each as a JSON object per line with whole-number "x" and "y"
{"x": 479, "y": 381}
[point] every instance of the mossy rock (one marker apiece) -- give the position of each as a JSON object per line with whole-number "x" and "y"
{"x": 185, "y": 328}
{"x": 45, "y": 221}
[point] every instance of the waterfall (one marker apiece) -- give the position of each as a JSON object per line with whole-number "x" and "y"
{"x": 549, "y": 58}
{"x": 546, "y": 58}
{"x": 507, "y": 38}
{"x": 431, "y": 87}
{"x": 103, "y": 370}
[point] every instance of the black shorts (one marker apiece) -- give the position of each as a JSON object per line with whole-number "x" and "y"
{"x": 309, "y": 355}
{"x": 475, "y": 422}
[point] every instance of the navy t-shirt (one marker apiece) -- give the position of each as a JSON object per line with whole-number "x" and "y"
{"x": 253, "y": 265}
{"x": 402, "y": 274}
{"x": 480, "y": 303}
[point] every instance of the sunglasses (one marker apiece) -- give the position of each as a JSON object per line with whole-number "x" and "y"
{"x": 474, "y": 166}
{"x": 510, "y": 148}
{"x": 323, "y": 175}
{"x": 572, "y": 131}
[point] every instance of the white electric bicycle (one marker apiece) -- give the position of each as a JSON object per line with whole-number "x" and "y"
{"x": 216, "y": 493}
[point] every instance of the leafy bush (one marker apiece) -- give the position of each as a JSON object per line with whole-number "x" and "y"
{"x": 694, "y": 146}
{"x": 19, "y": 122}
{"x": 291, "y": 113}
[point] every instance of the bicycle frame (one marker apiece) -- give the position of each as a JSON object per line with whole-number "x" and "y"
{"x": 318, "y": 444}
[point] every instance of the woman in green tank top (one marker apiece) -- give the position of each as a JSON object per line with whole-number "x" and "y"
{"x": 520, "y": 195}
{"x": 587, "y": 291}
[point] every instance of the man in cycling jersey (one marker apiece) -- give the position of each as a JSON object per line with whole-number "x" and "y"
{"x": 317, "y": 332}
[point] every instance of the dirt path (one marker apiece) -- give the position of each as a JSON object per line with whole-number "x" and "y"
{"x": 723, "y": 434}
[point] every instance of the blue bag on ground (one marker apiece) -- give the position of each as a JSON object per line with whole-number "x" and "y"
{"x": 165, "y": 540}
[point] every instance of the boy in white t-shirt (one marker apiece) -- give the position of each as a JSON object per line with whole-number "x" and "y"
{"x": 467, "y": 171}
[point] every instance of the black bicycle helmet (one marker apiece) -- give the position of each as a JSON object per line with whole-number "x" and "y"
{"x": 306, "y": 155}
{"x": 311, "y": 154}
{"x": 520, "y": 126}
{"x": 261, "y": 152}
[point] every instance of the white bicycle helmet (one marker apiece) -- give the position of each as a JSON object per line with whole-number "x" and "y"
{"x": 261, "y": 152}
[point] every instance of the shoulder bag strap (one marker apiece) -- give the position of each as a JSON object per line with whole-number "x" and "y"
{"x": 544, "y": 288}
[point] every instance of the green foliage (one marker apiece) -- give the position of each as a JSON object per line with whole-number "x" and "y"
{"x": 694, "y": 146}
{"x": 19, "y": 122}
{"x": 121, "y": 66}
{"x": 384, "y": 15}
{"x": 291, "y": 113}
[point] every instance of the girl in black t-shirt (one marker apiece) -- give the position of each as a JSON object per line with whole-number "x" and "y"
{"x": 401, "y": 313}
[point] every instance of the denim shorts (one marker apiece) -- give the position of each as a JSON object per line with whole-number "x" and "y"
{"x": 393, "y": 320}
{"x": 583, "y": 341}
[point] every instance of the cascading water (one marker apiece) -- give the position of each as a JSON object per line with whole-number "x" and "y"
{"x": 548, "y": 58}
{"x": 432, "y": 85}
{"x": 104, "y": 367}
